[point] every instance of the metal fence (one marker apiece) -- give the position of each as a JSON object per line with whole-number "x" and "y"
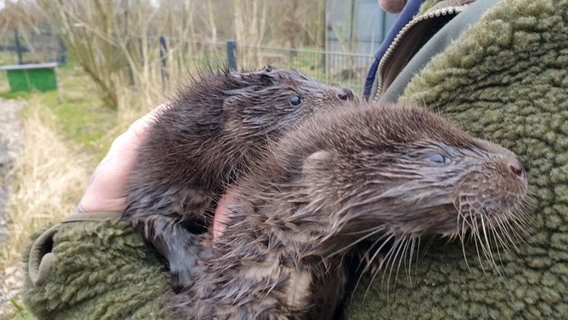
{"x": 337, "y": 68}
{"x": 178, "y": 55}
{"x": 347, "y": 69}
{"x": 31, "y": 45}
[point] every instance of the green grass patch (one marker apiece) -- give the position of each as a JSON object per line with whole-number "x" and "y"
{"x": 86, "y": 126}
{"x": 20, "y": 312}
{"x": 80, "y": 118}
{"x": 15, "y": 95}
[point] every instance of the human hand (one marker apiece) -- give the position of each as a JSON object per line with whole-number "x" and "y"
{"x": 106, "y": 189}
{"x": 392, "y": 6}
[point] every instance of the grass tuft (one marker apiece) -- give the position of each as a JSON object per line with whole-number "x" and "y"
{"x": 50, "y": 179}
{"x": 66, "y": 133}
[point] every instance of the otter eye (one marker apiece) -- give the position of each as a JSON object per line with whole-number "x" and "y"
{"x": 438, "y": 158}
{"x": 295, "y": 100}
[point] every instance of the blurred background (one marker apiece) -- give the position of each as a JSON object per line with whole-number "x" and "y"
{"x": 331, "y": 40}
{"x": 107, "y": 62}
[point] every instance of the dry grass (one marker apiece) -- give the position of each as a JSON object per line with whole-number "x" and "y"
{"x": 49, "y": 181}
{"x": 50, "y": 174}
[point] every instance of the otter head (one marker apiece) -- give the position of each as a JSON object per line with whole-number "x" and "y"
{"x": 401, "y": 172}
{"x": 270, "y": 100}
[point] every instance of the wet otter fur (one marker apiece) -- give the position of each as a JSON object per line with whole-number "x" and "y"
{"x": 214, "y": 131}
{"x": 369, "y": 173}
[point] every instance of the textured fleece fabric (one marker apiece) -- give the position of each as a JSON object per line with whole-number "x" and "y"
{"x": 505, "y": 80}
{"x": 102, "y": 270}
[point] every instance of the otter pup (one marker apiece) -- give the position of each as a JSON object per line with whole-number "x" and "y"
{"x": 213, "y": 132}
{"x": 386, "y": 173}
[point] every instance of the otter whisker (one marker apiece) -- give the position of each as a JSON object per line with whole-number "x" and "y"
{"x": 487, "y": 244}
{"x": 402, "y": 258}
{"x": 462, "y": 240}
{"x": 386, "y": 239}
{"x": 501, "y": 242}
{"x": 513, "y": 225}
{"x": 371, "y": 232}
{"x": 521, "y": 218}
{"x": 418, "y": 242}
{"x": 391, "y": 258}
{"x": 477, "y": 242}
{"x": 389, "y": 238}
{"x": 410, "y": 253}
{"x": 504, "y": 227}
{"x": 501, "y": 246}
{"x": 462, "y": 232}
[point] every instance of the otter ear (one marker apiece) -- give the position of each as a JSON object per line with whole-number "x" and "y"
{"x": 268, "y": 68}
{"x": 266, "y": 76}
{"x": 317, "y": 161}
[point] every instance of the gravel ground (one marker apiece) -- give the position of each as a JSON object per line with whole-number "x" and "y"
{"x": 10, "y": 144}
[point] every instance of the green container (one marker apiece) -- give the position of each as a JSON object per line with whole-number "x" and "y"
{"x": 28, "y": 77}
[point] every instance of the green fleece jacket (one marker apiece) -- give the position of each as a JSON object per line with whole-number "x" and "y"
{"x": 505, "y": 79}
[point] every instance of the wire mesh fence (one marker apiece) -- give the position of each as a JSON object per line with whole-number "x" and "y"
{"x": 31, "y": 45}
{"x": 176, "y": 56}
{"x": 337, "y": 68}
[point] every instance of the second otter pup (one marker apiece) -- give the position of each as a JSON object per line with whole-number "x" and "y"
{"x": 387, "y": 173}
{"x": 214, "y": 131}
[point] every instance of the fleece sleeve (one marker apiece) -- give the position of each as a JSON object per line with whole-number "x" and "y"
{"x": 95, "y": 270}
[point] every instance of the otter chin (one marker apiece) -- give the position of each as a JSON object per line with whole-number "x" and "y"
{"x": 359, "y": 179}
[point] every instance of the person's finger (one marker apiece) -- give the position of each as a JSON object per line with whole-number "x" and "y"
{"x": 139, "y": 128}
{"x": 221, "y": 212}
{"x": 105, "y": 191}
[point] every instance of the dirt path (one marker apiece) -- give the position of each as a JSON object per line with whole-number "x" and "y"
{"x": 10, "y": 144}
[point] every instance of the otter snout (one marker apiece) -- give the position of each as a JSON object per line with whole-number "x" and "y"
{"x": 345, "y": 94}
{"x": 516, "y": 167}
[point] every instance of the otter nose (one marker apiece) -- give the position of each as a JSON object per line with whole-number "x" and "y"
{"x": 516, "y": 167}
{"x": 345, "y": 94}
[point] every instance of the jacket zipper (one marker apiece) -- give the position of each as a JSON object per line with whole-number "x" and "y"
{"x": 432, "y": 13}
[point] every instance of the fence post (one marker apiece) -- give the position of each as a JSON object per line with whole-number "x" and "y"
{"x": 141, "y": 50}
{"x": 18, "y": 46}
{"x": 163, "y": 59}
{"x": 231, "y": 48}
{"x": 62, "y": 57}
